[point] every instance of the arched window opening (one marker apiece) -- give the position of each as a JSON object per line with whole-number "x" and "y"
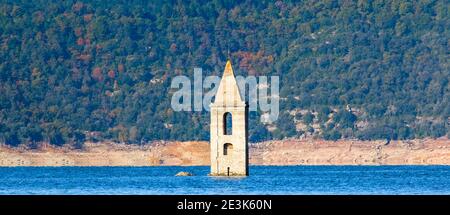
{"x": 227, "y": 149}
{"x": 227, "y": 124}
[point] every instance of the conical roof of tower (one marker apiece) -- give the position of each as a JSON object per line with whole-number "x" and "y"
{"x": 228, "y": 93}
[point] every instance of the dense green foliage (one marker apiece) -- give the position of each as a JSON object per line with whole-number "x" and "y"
{"x": 72, "y": 70}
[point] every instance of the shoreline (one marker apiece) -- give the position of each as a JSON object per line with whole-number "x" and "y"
{"x": 271, "y": 153}
{"x": 250, "y": 165}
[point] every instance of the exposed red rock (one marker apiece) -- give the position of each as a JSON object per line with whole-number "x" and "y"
{"x": 285, "y": 152}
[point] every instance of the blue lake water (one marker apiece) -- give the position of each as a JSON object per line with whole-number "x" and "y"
{"x": 262, "y": 180}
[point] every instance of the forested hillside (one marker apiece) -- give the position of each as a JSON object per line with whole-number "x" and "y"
{"x": 77, "y": 70}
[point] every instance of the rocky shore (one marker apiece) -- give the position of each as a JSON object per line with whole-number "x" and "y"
{"x": 285, "y": 152}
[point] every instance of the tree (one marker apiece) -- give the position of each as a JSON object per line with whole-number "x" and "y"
{"x": 308, "y": 118}
{"x": 105, "y": 68}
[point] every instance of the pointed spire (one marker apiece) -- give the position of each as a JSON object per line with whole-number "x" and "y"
{"x": 228, "y": 93}
{"x": 228, "y": 69}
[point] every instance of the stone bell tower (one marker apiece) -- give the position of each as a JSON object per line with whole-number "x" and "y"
{"x": 229, "y": 131}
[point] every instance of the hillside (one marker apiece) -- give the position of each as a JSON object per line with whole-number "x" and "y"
{"x": 73, "y": 71}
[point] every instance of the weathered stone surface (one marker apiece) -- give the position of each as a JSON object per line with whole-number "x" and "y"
{"x": 184, "y": 174}
{"x": 229, "y": 152}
